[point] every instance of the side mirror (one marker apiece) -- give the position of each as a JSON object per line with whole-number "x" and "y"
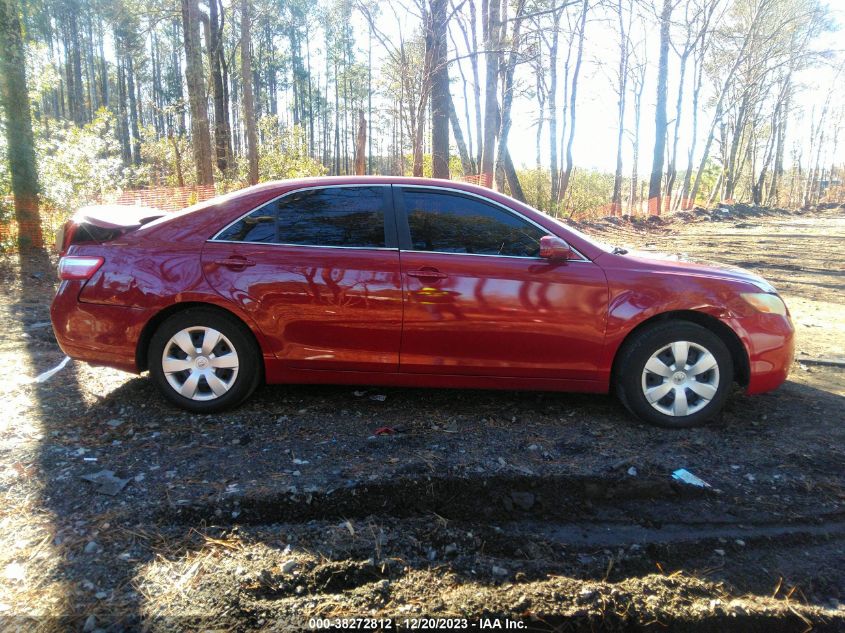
{"x": 553, "y": 247}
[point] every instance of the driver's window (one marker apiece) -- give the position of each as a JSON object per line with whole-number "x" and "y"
{"x": 444, "y": 222}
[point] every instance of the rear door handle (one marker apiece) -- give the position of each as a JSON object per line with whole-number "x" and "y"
{"x": 427, "y": 274}
{"x": 236, "y": 261}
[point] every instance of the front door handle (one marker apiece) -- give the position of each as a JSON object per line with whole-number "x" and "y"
{"x": 235, "y": 261}
{"x": 427, "y": 273}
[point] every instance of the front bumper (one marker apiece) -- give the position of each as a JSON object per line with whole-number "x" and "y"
{"x": 770, "y": 342}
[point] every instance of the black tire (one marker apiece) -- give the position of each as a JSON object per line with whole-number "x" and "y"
{"x": 237, "y": 338}
{"x": 631, "y": 382}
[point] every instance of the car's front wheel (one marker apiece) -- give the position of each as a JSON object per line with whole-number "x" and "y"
{"x": 204, "y": 360}
{"x": 674, "y": 374}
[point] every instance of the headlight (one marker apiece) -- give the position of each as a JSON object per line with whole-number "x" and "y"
{"x": 765, "y": 302}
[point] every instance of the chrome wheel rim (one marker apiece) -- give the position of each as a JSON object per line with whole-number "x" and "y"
{"x": 680, "y": 378}
{"x": 200, "y": 363}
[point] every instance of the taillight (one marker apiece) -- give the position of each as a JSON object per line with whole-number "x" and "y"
{"x": 78, "y": 266}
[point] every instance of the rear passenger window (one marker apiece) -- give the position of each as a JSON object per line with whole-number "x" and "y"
{"x": 331, "y": 216}
{"x": 451, "y": 223}
{"x": 258, "y": 226}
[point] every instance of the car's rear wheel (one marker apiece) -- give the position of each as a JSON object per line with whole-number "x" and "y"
{"x": 204, "y": 360}
{"x": 674, "y": 374}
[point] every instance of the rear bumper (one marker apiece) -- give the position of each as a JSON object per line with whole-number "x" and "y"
{"x": 95, "y": 333}
{"x": 770, "y": 341}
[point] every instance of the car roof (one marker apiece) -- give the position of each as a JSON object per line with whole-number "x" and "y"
{"x": 323, "y": 181}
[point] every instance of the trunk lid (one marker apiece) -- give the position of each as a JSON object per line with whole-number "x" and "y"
{"x": 103, "y": 223}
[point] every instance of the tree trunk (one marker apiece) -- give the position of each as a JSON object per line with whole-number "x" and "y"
{"x": 440, "y": 97}
{"x": 176, "y": 76}
{"x": 541, "y": 121}
{"x": 361, "y": 146}
{"x": 553, "y": 166}
{"x": 345, "y": 111}
{"x": 200, "y": 133}
{"x": 491, "y": 103}
{"x": 417, "y": 140}
{"x": 158, "y": 101}
{"x": 777, "y": 172}
{"x": 78, "y": 108}
{"x": 293, "y": 38}
{"x": 739, "y": 129}
{"x": 513, "y": 179}
{"x": 248, "y": 101}
{"x": 222, "y": 130}
{"x": 660, "y": 124}
{"x": 672, "y": 171}
{"x": 567, "y": 173}
{"x": 133, "y": 111}
{"x": 507, "y": 90}
{"x": 476, "y": 84}
{"x": 177, "y": 161}
{"x": 90, "y": 71}
{"x": 19, "y": 139}
{"x": 369, "y": 98}
{"x": 638, "y": 80}
{"x": 757, "y": 189}
{"x": 103, "y": 68}
{"x": 122, "y": 110}
{"x": 685, "y": 201}
{"x": 311, "y": 99}
{"x": 813, "y": 181}
{"x": 336, "y": 122}
{"x": 616, "y": 198}
{"x": 701, "y": 165}
{"x": 466, "y": 160}
{"x": 270, "y": 67}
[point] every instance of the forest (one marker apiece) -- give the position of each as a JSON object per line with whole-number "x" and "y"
{"x": 689, "y": 102}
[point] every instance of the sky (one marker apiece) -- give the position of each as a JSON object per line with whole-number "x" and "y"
{"x": 595, "y": 141}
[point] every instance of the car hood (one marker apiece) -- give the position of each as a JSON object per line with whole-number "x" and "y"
{"x": 681, "y": 263}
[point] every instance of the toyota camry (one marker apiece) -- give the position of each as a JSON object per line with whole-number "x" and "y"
{"x": 406, "y": 282}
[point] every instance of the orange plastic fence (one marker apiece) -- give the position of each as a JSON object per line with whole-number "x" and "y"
{"x": 484, "y": 180}
{"x": 165, "y": 198}
{"x": 9, "y": 233}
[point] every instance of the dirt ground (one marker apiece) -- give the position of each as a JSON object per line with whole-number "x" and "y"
{"x": 552, "y": 511}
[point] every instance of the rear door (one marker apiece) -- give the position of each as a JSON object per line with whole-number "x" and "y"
{"x": 318, "y": 270}
{"x": 480, "y": 301}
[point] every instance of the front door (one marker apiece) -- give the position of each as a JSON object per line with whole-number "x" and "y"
{"x": 319, "y": 274}
{"x": 480, "y": 301}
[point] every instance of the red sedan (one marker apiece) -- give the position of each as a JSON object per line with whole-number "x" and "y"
{"x": 411, "y": 282}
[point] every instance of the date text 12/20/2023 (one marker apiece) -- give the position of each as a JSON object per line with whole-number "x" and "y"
{"x": 414, "y": 624}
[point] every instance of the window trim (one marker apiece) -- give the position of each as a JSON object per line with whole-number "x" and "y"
{"x": 404, "y": 229}
{"x": 395, "y": 221}
{"x": 390, "y": 232}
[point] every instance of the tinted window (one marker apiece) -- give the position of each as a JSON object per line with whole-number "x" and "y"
{"x": 334, "y": 216}
{"x": 449, "y": 223}
{"x": 258, "y": 226}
